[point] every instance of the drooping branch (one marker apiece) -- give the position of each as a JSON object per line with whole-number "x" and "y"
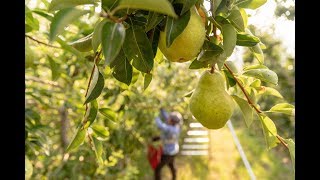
{"x": 40, "y": 42}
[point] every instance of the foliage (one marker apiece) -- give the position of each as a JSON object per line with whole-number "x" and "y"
{"x": 105, "y": 94}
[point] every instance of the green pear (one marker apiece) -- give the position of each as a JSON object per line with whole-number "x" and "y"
{"x": 210, "y": 103}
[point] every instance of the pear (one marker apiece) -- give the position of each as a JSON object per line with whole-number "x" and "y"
{"x": 210, "y": 104}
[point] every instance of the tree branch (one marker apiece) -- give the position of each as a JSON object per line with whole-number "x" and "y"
{"x": 40, "y": 42}
{"x": 282, "y": 142}
{"x": 242, "y": 88}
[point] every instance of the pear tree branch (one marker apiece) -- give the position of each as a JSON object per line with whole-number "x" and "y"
{"x": 40, "y": 42}
{"x": 250, "y": 102}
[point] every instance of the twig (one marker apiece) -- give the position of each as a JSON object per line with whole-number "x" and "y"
{"x": 96, "y": 57}
{"x": 242, "y": 88}
{"x": 40, "y": 42}
{"x": 282, "y": 142}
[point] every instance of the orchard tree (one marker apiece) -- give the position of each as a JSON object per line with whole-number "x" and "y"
{"x": 96, "y": 60}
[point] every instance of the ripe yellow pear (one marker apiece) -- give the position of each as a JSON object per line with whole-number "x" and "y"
{"x": 210, "y": 104}
{"x": 188, "y": 44}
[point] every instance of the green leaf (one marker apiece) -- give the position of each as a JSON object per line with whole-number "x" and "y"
{"x": 43, "y": 14}
{"x": 100, "y": 132}
{"x": 154, "y": 40}
{"x": 263, "y": 74}
{"x": 255, "y": 66}
{"x": 91, "y": 113}
{"x": 216, "y": 5}
{"x": 187, "y": 4}
{"x": 113, "y": 35}
{"x": 160, "y": 6}
{"x": 153, "y": 20}
{"x": 55, "y": 72}
{"x": 31, "y": 22}
{"x": 96, "y": 85}
{"x": 122, "y": 69}
{"x": 244, "y": 17}
{"x": 229, "y": 39}
{"x": 28, "y": 168}
{"x": 209, "y": 51}
{"x": 252, "y": 4}
{"x": 257, "y": 52}
{"x": 230, "y": 80}
{"x": 198, "y": 64}
{"x": 232, "y": 66}
{"x": 98, "y": 149}
{"x": 245, "y": 108}
{"x": 269, "y": 131}
{"x": 71, "y": 49}
{"x": 283, "y": 108}
{"x": 97, "y": 34}
{"x": 62, "y": 19}
{"x": 108, "y": 113}
{"x": 147, "y": 80}
{"x": 174, "y": 27}
{"x": 77, "y": 139}
{"x": 256, "y": 83}
{"x": 247, "y": 40}
{"x": 291, "y": 146}
{"x": 62, "y": 4}
{"x": 270, "y": 91}
{"x": 137, "y": 47}
{"x": 236, "y": 19}
{"x": 83, "y": 44}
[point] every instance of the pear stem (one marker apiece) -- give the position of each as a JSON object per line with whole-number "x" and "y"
{"x": 212, "y": 69}
{"x": 242, "y": 88}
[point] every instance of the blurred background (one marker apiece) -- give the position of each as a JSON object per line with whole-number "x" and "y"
{"x": 56, "y": 83}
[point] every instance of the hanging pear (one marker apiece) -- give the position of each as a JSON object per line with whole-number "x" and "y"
{"x": 210, "y": 103}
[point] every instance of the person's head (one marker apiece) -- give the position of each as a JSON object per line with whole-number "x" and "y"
{"x": 174, "y": 118}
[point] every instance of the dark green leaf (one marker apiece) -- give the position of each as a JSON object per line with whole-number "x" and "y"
{"x": 187, "y": 4}
{"x": 108, "y": 113}
{"x": 252, "y": 4}
{"x": 55, "y": 72}
{"x": 113, "y": 35}
{"x": 100, "y": 132}
{"x": 269, "y": 131}
{"x": 96, "y": 85}
{"x": 291, "y": 146}
{"x": 110, "y": 4}
{"x": 245, "y": 108}
{"x": 137, "y": 47}
{"x": 236, "y": 19}
{"x": 62, "y": 19}
{"x": 97, "y": 34}
{"x": 98, "y": 149}
{"x": 122, "y": 69}
{"x": 247, "y": 40}
{"x": 77, "y": 139}
{"x": 199, "y": 64}
{"x": 153, "y": 20}
{"x": 263, "y": 74}
{"x": 83, "y": 44}
{"x": 91, "y": 113}
{"x": 155, "y": 40}
{"x": 216, "y": 5}
{"x": 229, "y": 39}
{"x": 147, "y": 80}
{"x": 160, "y": 6}
{"x": 62, "y": 4}
{"x": 283, "y": 108}
{"x": 174, "y": 27}
{"x": 230, "y": 81}
{"x": 209, "y": 51}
